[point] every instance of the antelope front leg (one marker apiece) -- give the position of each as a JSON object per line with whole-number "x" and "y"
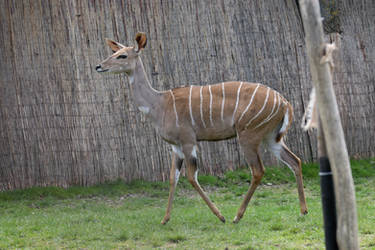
{"x": 192, "y": 173}
{"x": 173, "y": 180}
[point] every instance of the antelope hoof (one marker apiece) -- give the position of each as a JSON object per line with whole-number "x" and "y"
{"x": 304, "y": 212}
{"x": 236, "y": 219}
{"x": 164, "y": 221}
{"x": 222, "y": 218}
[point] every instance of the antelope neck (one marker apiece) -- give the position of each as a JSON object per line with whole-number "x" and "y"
{"x": 145, "y": 97}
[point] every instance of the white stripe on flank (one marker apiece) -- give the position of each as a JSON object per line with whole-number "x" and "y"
{"x": 277, "y": 110}
{"x": 174, "y": 107}
{"x": 261, "y": 110}
{"x": 222, "y": 102}
{"x": 237, "y": 100}
{"x": 284, "y": 100}
{"x": 190, "y": 109}
{"x": 251, "y": 100}
{"x": 271, "y": 113}
{"x": 209, "y": 89}
{"x": 201, "y": 106}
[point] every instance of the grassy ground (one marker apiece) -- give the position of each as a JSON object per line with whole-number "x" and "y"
{"x": 116, "y": 215}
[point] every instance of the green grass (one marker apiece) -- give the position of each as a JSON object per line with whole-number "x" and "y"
{"x": 127, "y": 216}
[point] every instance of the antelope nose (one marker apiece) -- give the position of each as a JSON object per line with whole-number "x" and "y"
{"x": 98, "y": 67}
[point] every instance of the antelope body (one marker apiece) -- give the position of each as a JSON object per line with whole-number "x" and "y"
{"x": 252, "y": 112}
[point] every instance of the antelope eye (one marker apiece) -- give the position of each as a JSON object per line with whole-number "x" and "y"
{"x": 122, "y": 57}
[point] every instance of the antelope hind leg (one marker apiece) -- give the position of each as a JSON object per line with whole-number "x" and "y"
{"x": 282, "y": 152}
{"x": 257, "y": 169}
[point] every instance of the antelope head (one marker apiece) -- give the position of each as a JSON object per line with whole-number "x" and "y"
{"x": 123, "y": 59}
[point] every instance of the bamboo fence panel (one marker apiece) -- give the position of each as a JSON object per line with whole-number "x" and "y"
{"x": 63, "y": 124}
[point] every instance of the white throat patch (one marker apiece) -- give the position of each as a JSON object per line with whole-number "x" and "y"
{"x": 131, "y": 79}
{"x": 144, "y": 109}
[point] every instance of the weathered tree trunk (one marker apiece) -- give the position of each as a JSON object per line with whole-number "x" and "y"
{"x": 61, "y": 123}
{"x": 347, "y": 226}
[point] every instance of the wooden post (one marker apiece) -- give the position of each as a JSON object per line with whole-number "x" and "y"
{"x": 347, "y": 227}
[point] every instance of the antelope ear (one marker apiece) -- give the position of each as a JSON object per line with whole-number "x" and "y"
{"x": 115, "y": 46}
{"x": 141, "y": 40}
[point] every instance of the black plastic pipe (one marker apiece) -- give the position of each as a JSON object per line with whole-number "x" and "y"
{"x": 328, "y": 203}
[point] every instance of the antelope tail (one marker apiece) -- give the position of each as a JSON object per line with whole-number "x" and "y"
{"x": 285, "y": 124}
